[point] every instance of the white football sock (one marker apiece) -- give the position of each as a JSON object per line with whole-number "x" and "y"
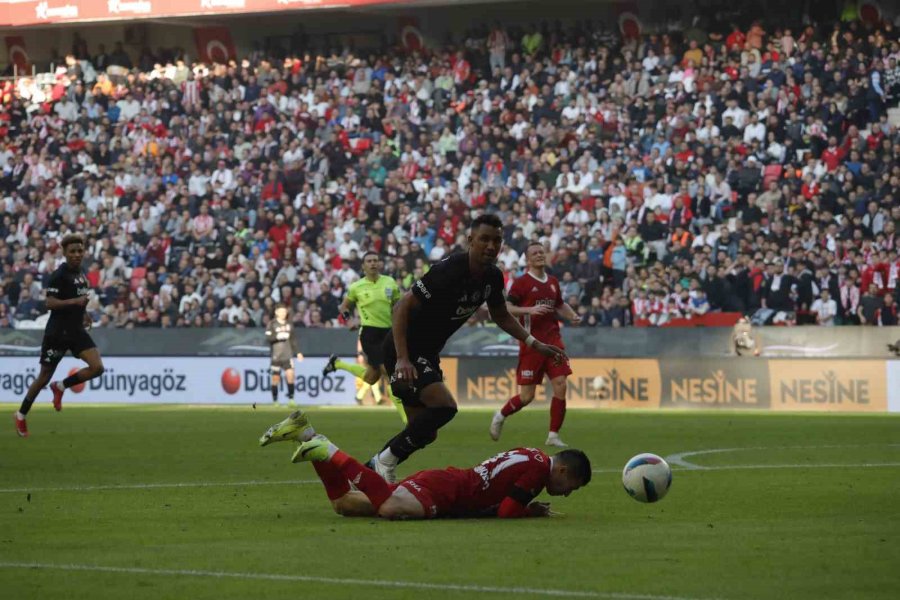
{"x": 387, "y": 458}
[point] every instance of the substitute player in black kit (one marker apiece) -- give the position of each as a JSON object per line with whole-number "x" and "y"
{"x": 67, "y": 296}
{"x": 438, "y": 304}
{"x": 284, "y": 343}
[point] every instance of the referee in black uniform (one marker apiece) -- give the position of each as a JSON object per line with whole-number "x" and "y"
{"x": 425, "y": 318}
{"x": 67, "y": 296}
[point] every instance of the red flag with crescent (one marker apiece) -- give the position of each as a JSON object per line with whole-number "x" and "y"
{"x": 869, "y": 12}
{"x": 18, "y": 55}
{"x": 629, "y": 22}
{"x": 214, "y": 44}
{"x": 410, "y": 36}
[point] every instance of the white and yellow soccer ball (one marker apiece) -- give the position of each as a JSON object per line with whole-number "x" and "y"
{"x": 647, "y": 477}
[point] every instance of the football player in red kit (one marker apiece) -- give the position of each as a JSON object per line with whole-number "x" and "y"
{"x": 503, "y": 486}
{"x": 536, "y": 299}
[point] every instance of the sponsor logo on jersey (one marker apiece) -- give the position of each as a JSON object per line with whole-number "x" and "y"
{"x": 423, "y": 289}
{"x": 464, "y": 312}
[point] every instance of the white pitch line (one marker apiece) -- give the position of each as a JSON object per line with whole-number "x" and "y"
{"x": 798, "y": 466}
{"x": 383, "y": 583}
{"x": 679, "y": 458}
{"x": 685, "y": 469}
{"x": 151, "y": 486}
{"x": 211, "y": 484}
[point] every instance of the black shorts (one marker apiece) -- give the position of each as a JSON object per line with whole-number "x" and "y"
{"x": 55, "y": 346}
{"x": 428, "y": 371}
{"x": 279, "y": 365}
{"x": 372, "y": 341}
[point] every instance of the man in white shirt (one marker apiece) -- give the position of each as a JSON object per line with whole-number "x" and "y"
{"x": 347, "y": 246}
{"x": 129, "y": 108}
{"x": 222, "y": 179}
{"x": 708, "y": 132}
{"x": 662, "y": 199}
{"x": 571, "y": 112}
{"x": 651, "y": 61}
{"x": 738, "y": 115}
{"x": 754, "y": 130}
{"x": 824, "y": 308}
{"x": 197, "y": 183}
{"x": 66, "y": 109}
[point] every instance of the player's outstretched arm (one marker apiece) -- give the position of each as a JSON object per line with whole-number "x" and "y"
{"x": 518, "y": 311}
{"x": 508, "y": 323}
{"x": 568, "y": 313}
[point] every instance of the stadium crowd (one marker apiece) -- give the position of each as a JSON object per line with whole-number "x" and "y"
{"x": 748, "y": 169}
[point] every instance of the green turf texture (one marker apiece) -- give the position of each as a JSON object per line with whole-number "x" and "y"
{"x": 773, "y": 532}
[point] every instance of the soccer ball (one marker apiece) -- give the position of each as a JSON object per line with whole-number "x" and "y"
{"x": 647, "y": 477}
{"x": 598, "y": 383}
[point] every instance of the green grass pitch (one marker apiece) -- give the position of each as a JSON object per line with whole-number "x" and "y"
{"x": 178, "y": 502}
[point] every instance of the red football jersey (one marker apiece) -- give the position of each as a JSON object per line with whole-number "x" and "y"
{"x": 486, "y": 485}
{"x": 528, "y": 290}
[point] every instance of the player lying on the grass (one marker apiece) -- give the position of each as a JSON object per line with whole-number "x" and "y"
{"x": 423, "y": 321}
{"x": 503, "y": 486}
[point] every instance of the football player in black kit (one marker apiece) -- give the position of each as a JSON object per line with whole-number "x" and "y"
{"x": 437, "y": 305}
{"x": 67, "y": 296}
{"x": 280, "y": 335}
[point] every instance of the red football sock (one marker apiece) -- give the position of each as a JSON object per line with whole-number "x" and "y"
{"x": 513, "y": 405}
{"x": 370, "y": 483}
{"x": 557, "y": 414}
{"x": 336, "y": 485}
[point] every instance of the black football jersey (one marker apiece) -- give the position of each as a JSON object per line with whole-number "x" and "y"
{"x": 280, "y": 336}
{"x": 449, "y": 296}
{"x": 65, "y": 284}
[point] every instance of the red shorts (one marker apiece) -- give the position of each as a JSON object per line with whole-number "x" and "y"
{"x": 533, "y": 366}
{"x": 436, "y": 490}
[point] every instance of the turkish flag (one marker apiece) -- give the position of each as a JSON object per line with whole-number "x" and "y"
{"x": 410, "y": 35}
{"x": 214, "y": 44}
{"x": 15, "y": 50}
{"x": 630, "y": 25}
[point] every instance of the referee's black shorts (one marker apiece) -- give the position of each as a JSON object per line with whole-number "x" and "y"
{"x": 55, "y": 345}
{"x": 372, "y": 341}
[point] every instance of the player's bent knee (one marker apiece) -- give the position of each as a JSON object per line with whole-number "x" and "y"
{"x": 401, "y": 505}
{"x": 98, "y": 370}
{"x": 341, "y": 506}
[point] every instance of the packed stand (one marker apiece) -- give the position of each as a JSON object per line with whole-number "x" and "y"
{"x": 739, "y": 169}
